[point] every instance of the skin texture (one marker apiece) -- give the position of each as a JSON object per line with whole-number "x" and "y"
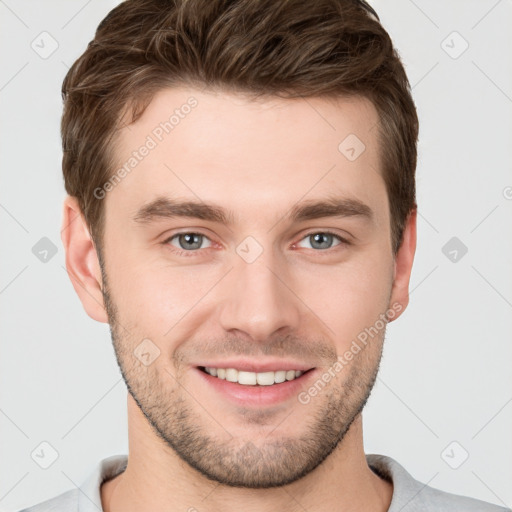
{"x": 298, "y": 300}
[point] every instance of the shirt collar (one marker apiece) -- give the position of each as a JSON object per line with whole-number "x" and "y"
{"x": 89, "y": 498}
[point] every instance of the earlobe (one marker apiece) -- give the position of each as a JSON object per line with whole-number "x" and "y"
{"x": 82, "y": 262}
{"x": 403, "y": 265}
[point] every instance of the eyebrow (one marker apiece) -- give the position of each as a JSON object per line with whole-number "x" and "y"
{"x": 167, "y": 208}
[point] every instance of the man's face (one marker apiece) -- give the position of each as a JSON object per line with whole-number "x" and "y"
{"x": 263, "y": 289}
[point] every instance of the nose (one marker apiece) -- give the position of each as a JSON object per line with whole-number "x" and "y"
{"x": 260, "y": 299}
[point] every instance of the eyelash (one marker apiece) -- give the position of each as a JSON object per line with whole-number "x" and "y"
{"x": 181, "y": 252}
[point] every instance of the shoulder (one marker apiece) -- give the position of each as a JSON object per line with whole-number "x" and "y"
{"x": 435, "y": 499}
{"x": 65, "y": 502}
{"x": 445, "y": 501}
{"x": 87, "y": 497}
{"x": 411, "y": 495}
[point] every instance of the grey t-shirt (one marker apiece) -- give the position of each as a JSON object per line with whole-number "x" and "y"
{"x": 408, "y": 494}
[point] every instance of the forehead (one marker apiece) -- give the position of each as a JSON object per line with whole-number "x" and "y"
{"x": 267, "y": 153}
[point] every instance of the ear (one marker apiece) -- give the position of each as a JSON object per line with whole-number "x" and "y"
{"x": 82, "y": 262}
{"x": 403, "y": 265}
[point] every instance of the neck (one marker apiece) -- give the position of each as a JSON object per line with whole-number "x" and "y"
{"x": 156, "y": 477}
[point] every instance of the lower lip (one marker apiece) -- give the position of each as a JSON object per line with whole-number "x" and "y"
{"x": 257, "y": 395}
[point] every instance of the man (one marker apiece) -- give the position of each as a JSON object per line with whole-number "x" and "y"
{"x": 242, "y": 212}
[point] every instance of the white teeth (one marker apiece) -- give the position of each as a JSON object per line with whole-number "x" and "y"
{"x": 265, "y": 378}
{"x": 253, "y": 378}
{"x": 248, "y": 378}
{"x": 290, "y": 375}
{"x": 231, "y": 375}
{"x": 279, "y": 376}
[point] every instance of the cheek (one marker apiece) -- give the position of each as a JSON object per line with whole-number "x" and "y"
{"x": 352, "y": 297}
{"x": 154, "y": 297}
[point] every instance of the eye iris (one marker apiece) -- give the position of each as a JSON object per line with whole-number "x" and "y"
{"x": 190, "y": 238}
{"x": 321, "y": 239}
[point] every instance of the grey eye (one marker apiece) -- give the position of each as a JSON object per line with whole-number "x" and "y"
{"x": 188, "y": 241}
{"x": 322, "y": 240}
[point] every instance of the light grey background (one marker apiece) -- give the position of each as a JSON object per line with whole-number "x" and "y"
{"x": 445, "y": 375}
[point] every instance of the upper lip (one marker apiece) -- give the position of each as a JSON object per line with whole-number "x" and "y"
{"x": 258, "y": 366}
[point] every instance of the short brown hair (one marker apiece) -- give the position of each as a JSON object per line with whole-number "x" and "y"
{"x": 287, "y": 48}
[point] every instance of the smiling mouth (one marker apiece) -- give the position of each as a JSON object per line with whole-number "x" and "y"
{"x": 254, "y": 378}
